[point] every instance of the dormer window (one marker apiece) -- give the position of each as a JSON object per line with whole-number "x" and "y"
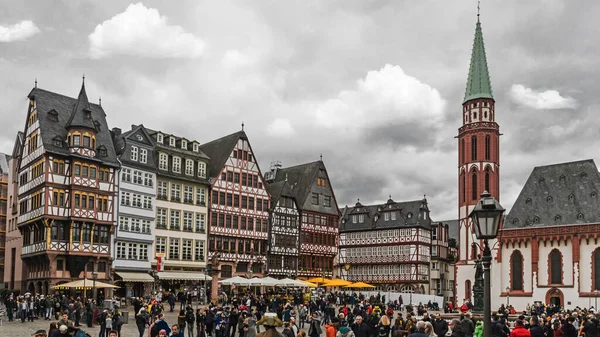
{"x": 57, "y": 141}
{"x": 354, "y": 218}
{"x": 361, "y": 218}
{"x": 102, "y": 151}
{"x": 184, "y": 144}
{"x": 409, "y": 215}
{"x": 172, "y": 141}
{"x": 159, "y": 138}
{"x": 386, "y": 216}
{"x": 195, "y": 147}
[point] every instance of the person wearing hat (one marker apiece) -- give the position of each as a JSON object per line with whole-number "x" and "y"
{"x": 39, "y": 333}
{"x": 271, "y": 322}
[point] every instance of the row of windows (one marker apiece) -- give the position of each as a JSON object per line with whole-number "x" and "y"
{"x": 32, "y": 142}
{"x": 139, "y": 155}
{"x": 135, "y": 225}
{"x": 244, "y": 179}
{"x": 318, "y": 238}
{"x": 136, "y": 200}
{"x": 390, "y": 233}
{"x": 132, "y": 251}
{"x": 381, "y": 251}
{"x": 35, "y": 201}
{"x": 239, "y": 222}
{"x": 240, "y": 246}
{"x": 384, "y": 269}
{"x": 242, "y": 155}
{"x": 319, "y": 220}
{"x": 290, "y": 221}
{"x": 180, "y": 249}
{"x": 163, "y": 164}
{"x": 176, "y": 193}
{"x": 315, "y": 197}
{"x": 86, "y": 140}
{"x": 474, "y": 188}
{"x": 178, "y": 220}
{"x": 81, "y": 233}
{"x": 137, "y": 177}
{"x": 173, "y": 141}
{"x": 81, "y": 170}
{"x": 474, "y": 149}
{"x": 240, "y": 201}
{"x": 315, "y": 263}
{"x": 87, "y": 201}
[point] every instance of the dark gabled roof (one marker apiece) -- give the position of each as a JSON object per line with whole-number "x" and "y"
{"x": 174, "y": 149}
{"x": 50, "y": 128}
{"x": 279, "y": 189}
{"x": 374, "y": 215}
{"x": 559, "y": 194}
{"x": 301, "y": 176}
{"x": 219, "y": 150}
{"x": 81, "y": 114}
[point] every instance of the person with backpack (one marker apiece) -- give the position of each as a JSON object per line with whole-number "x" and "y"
{"x": 189, "y": 320}
{"x": 102, "y": 321}
{"x": 117, "y": 322}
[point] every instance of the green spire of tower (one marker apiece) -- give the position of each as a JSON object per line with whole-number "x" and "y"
{"x": 478, "y": 82}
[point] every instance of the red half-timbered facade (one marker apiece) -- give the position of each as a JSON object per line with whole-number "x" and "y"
{"x": 388, "y": 245}
{"x": 66, "y": 190}
{"x": 239, "y": 204}
{"x": 319, "y": 216}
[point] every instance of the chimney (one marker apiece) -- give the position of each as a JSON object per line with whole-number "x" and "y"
{"x": 116, "y": 131}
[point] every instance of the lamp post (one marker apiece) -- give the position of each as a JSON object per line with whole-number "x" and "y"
{"x": 486, "y": 218}
{"x": 94, "y": 277}
{"x": 507, "y": 296}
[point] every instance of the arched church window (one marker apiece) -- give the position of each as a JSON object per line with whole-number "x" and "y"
{"x": 473, "y": 148}
{"x": 463, "y": 184}
{"x": 555, "y": 264}
{"x": 596, "y": 259}
{"x": 485, "y": 114}
{"x": 474, "y": 185}
{"x": 487, "y": 147}
{"x": 516, "y": 270}
{"x": 487, "y": 179}
{"x": 463, "y": 150}
{"x": 468, "y": 290}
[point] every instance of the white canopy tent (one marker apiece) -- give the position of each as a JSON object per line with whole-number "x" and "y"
{"x": 286, "y": 282}
{"x": 236, "y": 281}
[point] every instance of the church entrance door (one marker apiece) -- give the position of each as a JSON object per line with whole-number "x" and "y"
{"x": 555, "y": 296}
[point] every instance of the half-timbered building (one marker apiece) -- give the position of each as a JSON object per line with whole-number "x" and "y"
{"x": 132, "y": 247}
{"x": 319, "y": 216}
{"x": 388, "y": 245}
{"x": 181, "y": 210}
{"x": 15, "y": 273}
{"x": 443, "y": 256}
{"x": 239, "y": 205}
{"x": 67, "y": 187}
{"x": 284, "y": 230}
{"x": 4, "y": 159}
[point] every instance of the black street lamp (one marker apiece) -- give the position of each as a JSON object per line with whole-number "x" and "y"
{"x": 486, "y": 218}
{"x": 95, "y": 277}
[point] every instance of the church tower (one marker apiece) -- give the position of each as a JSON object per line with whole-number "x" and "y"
{"x": 478, "y": 160}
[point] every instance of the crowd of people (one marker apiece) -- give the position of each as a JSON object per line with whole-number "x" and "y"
{"x": 329, "y": 314}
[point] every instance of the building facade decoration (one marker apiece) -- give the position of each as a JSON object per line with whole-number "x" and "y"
{"x": 284, "y": 234}
{"x": 319, "y": 216}
{"x": 443, "y": 257}
{"x": 239, "y": 205}
{"x": 388, "y": 245}
{"x": 66, "y": 190}
{"x": 134, "y": 234}
{"x": 181, "y": 211}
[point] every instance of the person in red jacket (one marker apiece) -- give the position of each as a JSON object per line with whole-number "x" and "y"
{"x": 331, "y": 329}
{"x": 519, "y": 330}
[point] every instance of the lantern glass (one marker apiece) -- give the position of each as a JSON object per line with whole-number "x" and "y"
{"x": 486, "y": 217}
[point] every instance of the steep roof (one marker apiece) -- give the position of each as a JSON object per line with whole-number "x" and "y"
{"x": 61, "y": 107}
{"x": 452, "y": 228}
{"x": 219, "y": 150}
{"x": 279, "y": 189}
{"x": 4, "y": 158}
{"x": 409, "y": 215}
{"x": 478, "y": 82}
{"x": 559, "y": 194}
{"x": 81, "y": 111}
{"x": 301, "y": 176}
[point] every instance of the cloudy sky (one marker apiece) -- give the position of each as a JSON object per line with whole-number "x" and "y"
{"x": 375, "y": 86}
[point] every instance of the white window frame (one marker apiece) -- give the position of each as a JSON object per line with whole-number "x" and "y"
{"x": 161, "y": 217}
{"x": 386, "y": 216}
{"x": 175, "y": 220}
{"x": 174, "y": 249}
{"x": 189, "y": 167}
{"x": 199, "y": 247}
{"x": 159, "y": 138}
{"x": 196, "y": 147}
{"x": 160, "y": 245}
{"x": 126, "y": 175}
{"x": 163, "y": 161}
{"x": 143, "y": 156}
{"x": 188, "y": 193}
{"x": 361, "y": 218}
{"x": 184, "y": 144}
{"x": 200, "y": 195}
{"x": 143, "y": 254}
{"x": 188, "y": 225}
{"x": 134, "y": 153}
{"x": 163, "y": 186}
{"x": 176, "y": 164}
{"x": 121, "y": 251}
{"x": 200, "y": 223}
{"x": 187, "y": 249}
{"x": 201, "y": 169}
